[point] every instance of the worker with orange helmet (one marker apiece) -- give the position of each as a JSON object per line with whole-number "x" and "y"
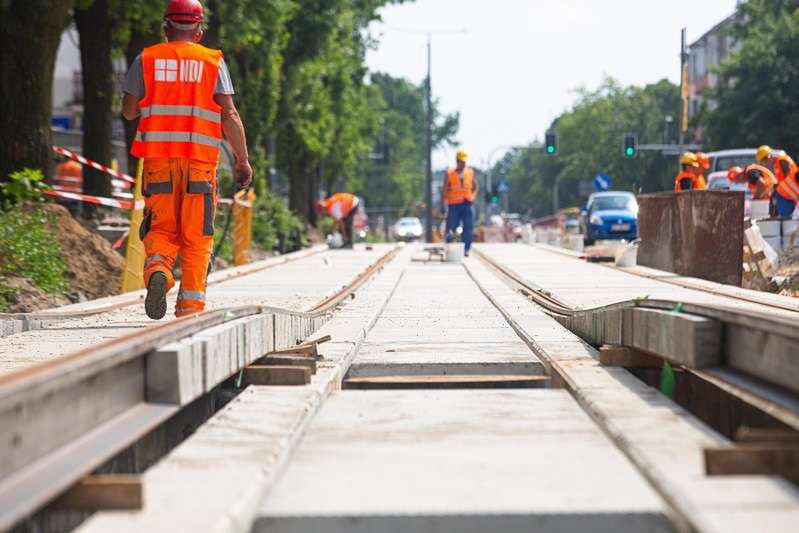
{"x": 736, "y": 178}
{"x": 183, "y": 94}
{"x": 690, "y": 176}
{"x": 780, "y": 162}
{"x": 760, "y": 181}
{"x": 342, "y": 206}
{"x": 458, "y": 192}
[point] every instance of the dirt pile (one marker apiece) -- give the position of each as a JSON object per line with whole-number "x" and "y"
{"x": 22, "y": 296}
{"x": 94, "y": 268}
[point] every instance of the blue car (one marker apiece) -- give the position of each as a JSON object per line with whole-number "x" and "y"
{"x": 610, "y": 215}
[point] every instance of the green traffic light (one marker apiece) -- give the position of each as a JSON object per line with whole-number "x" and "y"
{"x": 550, "y": 149}
{"x": 630, "y": 151}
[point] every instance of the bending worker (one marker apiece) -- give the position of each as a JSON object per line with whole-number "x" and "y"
{"x": 690, "y": 176}
{"x": 759, "y": 180}
{"x": 781, "y": 163}
{"x": 342, "y": 206}
{"x": 183, "y": 93}
{"x": 458, "y": 193}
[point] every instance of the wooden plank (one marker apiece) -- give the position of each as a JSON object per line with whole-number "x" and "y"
{"x": 104, "y": 492}
{"x": 276, "y": 375}
{"x": 755, "y": 459}
{"x": 307, "y": 350}
{"x": 627, "y": 357}
{"x": 287, "y": 360}
{"x": 448, "y": 381}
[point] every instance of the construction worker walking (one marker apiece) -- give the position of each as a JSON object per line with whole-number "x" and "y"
{"x": 690, "y": 176}
{"x": 183, "y": 94}
{"x": 342, "y": 206}
{"x": 458, "y": 193}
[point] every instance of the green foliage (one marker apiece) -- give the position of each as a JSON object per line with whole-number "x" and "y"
{"x": 28, "y": 247}
{"x": 400, "y": 107}
{"x": 590, "y": 142}
{"x": 274, "y": 226}
{"x": 22, "y": 186}
{"x": 758, "y": 98}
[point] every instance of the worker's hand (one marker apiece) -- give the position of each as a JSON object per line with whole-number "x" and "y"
{"x": 244, "y": 174}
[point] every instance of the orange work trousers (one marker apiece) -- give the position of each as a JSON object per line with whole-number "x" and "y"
{"x": 180, "y": 200}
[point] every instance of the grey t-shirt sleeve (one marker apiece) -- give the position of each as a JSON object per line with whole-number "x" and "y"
{"x": 224, "y": 85}
{"x": 134, "y": 82}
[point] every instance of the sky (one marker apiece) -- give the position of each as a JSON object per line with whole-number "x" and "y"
{"x": 519, "y": 62}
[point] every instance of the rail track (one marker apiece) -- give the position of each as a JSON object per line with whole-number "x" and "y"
{"x": 755, "y": 359}
{"x": 63, "y": 419}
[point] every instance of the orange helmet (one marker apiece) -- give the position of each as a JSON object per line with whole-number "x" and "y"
{"x": 733, "y": 173}
{"x": 320, "y": 206}
{"x": 704, "y": 160}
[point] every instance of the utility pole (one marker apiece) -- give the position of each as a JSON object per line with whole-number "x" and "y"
{"x": 428, "y": 215}
{"x": 684, "y": 88}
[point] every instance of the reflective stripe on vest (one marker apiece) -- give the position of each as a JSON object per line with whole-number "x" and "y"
{"x": 177, "y": 137}
{"x": 179, "y": 117}
{"x": 458, "y": 193}
{"x": 180, "y": 111}
{"x": 789, "y": 188}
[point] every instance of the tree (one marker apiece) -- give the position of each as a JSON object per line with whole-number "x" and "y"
{"x": 401, "y": 106}
{"x": 758, "y": 99}
{"x": 30, "y": 31}
{"x": 95, "y": 28}
{"x": 590, "y": 142}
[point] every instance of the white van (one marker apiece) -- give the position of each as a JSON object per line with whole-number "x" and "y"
{"x": 722, "y": 161}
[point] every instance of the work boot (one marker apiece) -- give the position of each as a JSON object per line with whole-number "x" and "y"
{"x": 155, "y": 302}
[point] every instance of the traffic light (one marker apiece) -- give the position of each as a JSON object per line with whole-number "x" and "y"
{"x": 630, "y": 147}
{"x": 551, "y": 143}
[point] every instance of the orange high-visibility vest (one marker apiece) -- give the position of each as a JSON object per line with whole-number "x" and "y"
{"x": 779, "y": 171}
{"x": 767, "y": 182}
{"x": 179, "y": 117}
{"x": 697, "y": 182}
{"x": 459, "y": 192}
{"x": 789, "y": 188}
{"x": 346, "y": 203}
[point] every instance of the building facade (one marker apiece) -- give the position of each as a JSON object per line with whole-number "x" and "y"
{"x": 707, "y": 52}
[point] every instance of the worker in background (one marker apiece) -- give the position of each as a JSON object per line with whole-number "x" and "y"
{"x": 691, "y": 176}
{"x": 183, "y": 93}
{"x": 459, "y": 190}
{"x": 704, "y": 163}
{"x": 342, "y": 206}
{"x": 737, "y": 179}
{"x": 781, "y": 163}
{"x": 68, "y": 177}
{"x": 760, "y": 181}
{"x": 787, "y": 195}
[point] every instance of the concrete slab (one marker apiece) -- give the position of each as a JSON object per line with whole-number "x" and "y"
{"x": 439, "y": 323}
{"x": 663, "y": 440}
{"x": 427, "y": 460}
{"x": 296, "y": 285}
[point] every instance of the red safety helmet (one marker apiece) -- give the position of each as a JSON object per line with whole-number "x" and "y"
{"x": 704, "y": 160}
{"x": 733, "y": 173}
{"x": 190, "y": 11}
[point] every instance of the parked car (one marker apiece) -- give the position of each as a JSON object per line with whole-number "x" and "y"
{"x": 408, "y": 229}
{"x": 610, "y": 215}
{"x": 724, "y": 160}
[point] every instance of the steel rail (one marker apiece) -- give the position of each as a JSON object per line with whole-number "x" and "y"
{"x": 681, "y": 284}
{"x": 780, "y": 402}
{"x": 96, "y": 398}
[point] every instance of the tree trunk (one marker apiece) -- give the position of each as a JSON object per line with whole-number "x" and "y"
{"x": 302, "y": 171}
{"x": 94, "y": 28}
{"x": 30, "y": 32}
